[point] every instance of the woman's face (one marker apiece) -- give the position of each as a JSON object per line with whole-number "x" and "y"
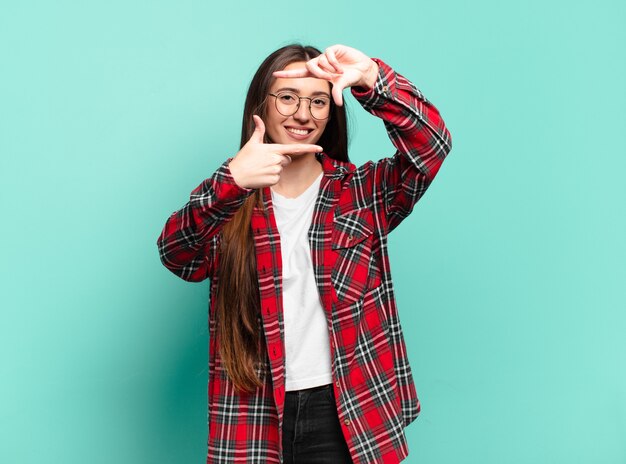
{"x": 300, "y": 127}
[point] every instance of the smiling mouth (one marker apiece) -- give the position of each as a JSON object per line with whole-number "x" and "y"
{"x": 299, "y": 131}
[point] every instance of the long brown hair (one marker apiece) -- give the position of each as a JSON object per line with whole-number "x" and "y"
{"x": 239, "y": 328}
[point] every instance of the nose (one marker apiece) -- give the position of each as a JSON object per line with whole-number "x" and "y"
{"x": 302, "y": 114}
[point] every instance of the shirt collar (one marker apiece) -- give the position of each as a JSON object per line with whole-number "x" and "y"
{"x": 333, "y": 168}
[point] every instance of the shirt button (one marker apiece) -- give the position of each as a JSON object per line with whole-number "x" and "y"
{"x": 350, "y": 237}
{"x": 347, "y": 422}
{"x": 337, "y": 383}
{"x": 385, "y": 88}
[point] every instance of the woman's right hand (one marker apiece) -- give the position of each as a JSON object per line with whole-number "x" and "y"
{"x": 260, "y": 164}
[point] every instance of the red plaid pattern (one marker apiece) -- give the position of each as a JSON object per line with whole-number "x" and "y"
{"x": 356, "y": 209}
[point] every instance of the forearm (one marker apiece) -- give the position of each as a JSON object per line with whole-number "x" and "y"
{"x": 414, "y": 124}
{"x": 187, "y": 233}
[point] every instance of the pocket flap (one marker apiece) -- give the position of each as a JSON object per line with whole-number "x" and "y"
{"x": 352, "y": 228}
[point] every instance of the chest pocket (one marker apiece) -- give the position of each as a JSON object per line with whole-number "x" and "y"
{"x": 355, "y": 269}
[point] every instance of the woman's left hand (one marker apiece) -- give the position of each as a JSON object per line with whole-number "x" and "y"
{"x": 341, "y": 65}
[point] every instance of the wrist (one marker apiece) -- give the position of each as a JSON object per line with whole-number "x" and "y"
{"x": 233, "y": 170}
{"x": 371, "y": 75}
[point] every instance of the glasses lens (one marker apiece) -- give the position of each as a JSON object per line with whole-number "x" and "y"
{"x": 287, "y": 103}
{"x": 320, "y": 107}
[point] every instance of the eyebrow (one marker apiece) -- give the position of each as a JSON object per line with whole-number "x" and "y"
{"x": 298, "y": 91}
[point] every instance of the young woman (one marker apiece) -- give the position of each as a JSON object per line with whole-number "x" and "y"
{"x": 307, "y": 361}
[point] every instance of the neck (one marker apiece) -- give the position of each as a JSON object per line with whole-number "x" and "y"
{"x": 298, "y": 175}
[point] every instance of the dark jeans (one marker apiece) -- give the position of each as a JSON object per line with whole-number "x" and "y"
{"x": 311, "y": 430}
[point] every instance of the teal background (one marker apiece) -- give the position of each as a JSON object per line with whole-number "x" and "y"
{"x": 509, "y": 273}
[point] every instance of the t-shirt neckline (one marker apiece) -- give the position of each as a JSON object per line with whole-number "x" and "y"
{"x": 283, "y": 199}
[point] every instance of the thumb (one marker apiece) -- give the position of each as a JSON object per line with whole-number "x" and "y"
{"x": 337, "y": 92}
{"x": 259, "y": 129}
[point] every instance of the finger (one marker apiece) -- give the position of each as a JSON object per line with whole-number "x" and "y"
{"x": 337, "y": 93}
{"x": 332, "y": 59}
{"x": 338, "y": 51}
{"x": 295, "y": 148}
{"x": 279, "y": 158}
{"x": 288, "y": 73}
{"x": 259, "y": 129}
{"x": 314, "y": 69}
{"x": 285, "y": 160}
{"x": 325, "y": 65}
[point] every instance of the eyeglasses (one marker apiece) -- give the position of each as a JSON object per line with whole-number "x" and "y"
{"x": 288, "y": 103}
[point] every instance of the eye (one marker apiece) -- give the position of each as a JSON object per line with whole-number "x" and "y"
{"x": 319, "y": 102}
{"x": 288, "y": 98}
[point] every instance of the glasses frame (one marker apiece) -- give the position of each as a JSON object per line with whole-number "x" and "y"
{"x": 330, "y": 102}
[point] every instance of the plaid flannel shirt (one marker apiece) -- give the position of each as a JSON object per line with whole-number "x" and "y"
{"x": 355, "y": 210}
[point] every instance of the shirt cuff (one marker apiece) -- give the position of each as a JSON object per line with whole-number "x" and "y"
{"x": 222, "y": 188}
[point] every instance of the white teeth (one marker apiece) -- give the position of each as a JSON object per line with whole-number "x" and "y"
{"x": 297, "y": 131}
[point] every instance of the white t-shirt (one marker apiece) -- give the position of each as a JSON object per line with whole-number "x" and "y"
{"x": 307, "y": 345}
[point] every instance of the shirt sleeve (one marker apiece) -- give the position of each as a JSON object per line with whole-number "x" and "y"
{"x": 188, "y": 243}
{"x": 419, "y": 134}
